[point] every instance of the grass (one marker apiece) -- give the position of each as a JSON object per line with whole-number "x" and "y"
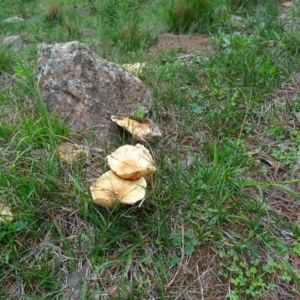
{"x": 197, "y": 16}
{"x": 6, "y": 59}
{"x": 220, "y": 219}
{"x": 53, "y": 10}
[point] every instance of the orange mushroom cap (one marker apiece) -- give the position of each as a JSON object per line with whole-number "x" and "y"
{"x": 111, "y": 190}
{"x": 131, "y": 162}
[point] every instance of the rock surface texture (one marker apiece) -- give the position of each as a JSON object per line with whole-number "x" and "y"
{"x": 85, "y": 90}
{"x": 14, "y": 41}
{"x": 13, "y": 20}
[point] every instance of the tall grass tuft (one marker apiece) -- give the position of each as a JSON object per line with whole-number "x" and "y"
{"x": 71, "y": 27}
{"x": 53, "y": 10}
{"x": 6, "y": 59}
{"x": 123, "y": 25}
{"x": 188, "y": 16}
{"x": 128, "y": 37}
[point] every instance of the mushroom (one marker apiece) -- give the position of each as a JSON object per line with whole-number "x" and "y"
{"x": 139, "y": 129}
{"x": 131, "y": 162}
{"x": 111, "y": 190}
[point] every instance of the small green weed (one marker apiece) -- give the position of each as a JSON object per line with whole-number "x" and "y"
{"x": 295, "y": 109}
{"x": 199, "y": 106}
{"x": 296, "y": 246}
{"x": 185, "y": 240}
{"x": 287, "y": 154}
{"x": 21, "y": 70}
{"x": 140, "y": 113}
{"x": 276, "y": 131}
{"x": 248, "y": 277}
{"x": 287, "y": 151}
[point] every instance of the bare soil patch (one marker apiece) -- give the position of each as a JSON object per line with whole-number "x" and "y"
{"x": 194, "y": 44}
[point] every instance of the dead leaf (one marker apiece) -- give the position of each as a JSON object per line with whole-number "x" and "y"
{"x": 69, "y": 152}
{"x": 267, "y": 159}
{"x": 140, "y": 129}
{"x": 254, "y": 152}
{"x": 288, "y": 4}
{"x": 5, "y": 213}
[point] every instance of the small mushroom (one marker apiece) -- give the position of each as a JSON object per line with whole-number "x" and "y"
{"x": 139, "y": 129}
{"x": 111, "y": 190}
{"x": 131, "y": 162}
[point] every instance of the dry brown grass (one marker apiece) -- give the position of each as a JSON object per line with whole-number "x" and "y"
{"x": 53, "y": 10}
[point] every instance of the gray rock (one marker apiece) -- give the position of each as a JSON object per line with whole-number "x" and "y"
{"x": 13, "y": 20}
{"x": 14, "y": 41}
{"x": 10, "y": 39}
{"x": 85, "y": 90}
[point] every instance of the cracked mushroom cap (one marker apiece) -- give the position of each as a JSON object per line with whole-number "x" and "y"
{"x": 131, "y": 162}
{"x": 139, "y": 129}
{"x": 111, "y": 190}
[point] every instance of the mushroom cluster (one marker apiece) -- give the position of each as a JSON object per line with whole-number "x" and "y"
{"x": 125, "y": 183}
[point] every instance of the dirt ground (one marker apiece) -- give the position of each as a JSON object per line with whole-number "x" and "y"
{"x": 200, "y": 43}
{"x": 192, "y": 44}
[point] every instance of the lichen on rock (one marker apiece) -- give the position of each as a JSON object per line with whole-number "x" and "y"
{"x": 85, "y": 90}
